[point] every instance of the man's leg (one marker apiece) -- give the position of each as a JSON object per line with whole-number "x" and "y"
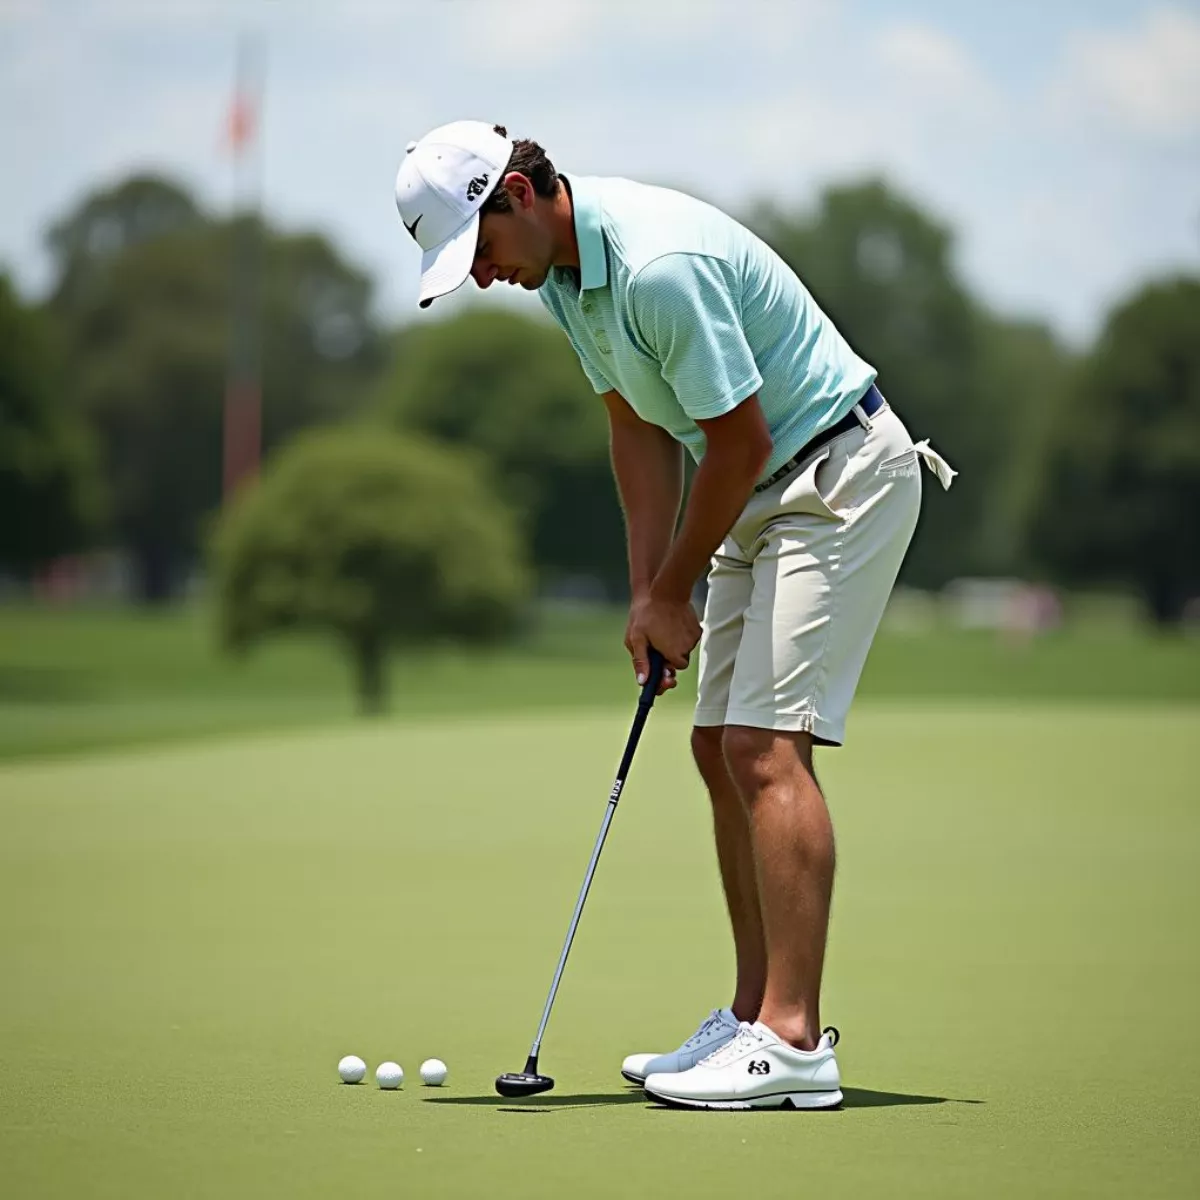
{"x": 824, "y": 567}
{"x": 736, "y": 857}
{"x": 791, "y": 836}
{"x": 825, "y": 548}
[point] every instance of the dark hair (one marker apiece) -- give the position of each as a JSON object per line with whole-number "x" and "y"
{"x": 530, "y": 159}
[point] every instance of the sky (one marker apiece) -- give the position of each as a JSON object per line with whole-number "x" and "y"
{"x": 1060, "y": 139}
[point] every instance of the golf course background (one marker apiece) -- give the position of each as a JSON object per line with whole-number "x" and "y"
{"x": 98, "y": 677}
{"x": 312, "y": 684}
{"x": 214, "y": 882}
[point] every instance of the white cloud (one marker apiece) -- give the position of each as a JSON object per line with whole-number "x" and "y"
{"x": 933, "y": 67}
{"x": 768, "y": 23}
{"x": 39, "y": 62}
{"x": 152, "y": 16}
{"x": 551, "y": 35}
{"x": 502, "y": 36}
{"x": 14, "y": 11}
{"x": 1145, "y": 82}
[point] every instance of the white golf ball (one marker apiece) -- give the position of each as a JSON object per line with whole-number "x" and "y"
{"x": 389, "y": 1075}
{"x": 433, "y": 1072}
{"x": 352, "y": 1069}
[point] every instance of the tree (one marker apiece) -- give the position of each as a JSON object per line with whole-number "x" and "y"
{"x": 105, "y": 225}
{"x": 48, "y": 489}
{"x": 147, "y": 319}
{"x": 882, "y": 269}
{"x": 512, "y": 388}
{"x": 147, "y": 368}
{"x": 1121, "y": 495}
{"x": 376, "y": 538}
{"x": 1026, "y": 373}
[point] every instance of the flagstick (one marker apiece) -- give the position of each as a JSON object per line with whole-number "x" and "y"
{"x": 243, "y": 402}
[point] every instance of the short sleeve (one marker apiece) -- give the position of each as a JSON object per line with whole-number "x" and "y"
{"x": 686, "y": 311}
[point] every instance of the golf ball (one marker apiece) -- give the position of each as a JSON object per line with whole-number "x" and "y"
{"x": 433, "y": 1072}
{"x": 389, "y": 1075}
{"x": 352, "y": 1069}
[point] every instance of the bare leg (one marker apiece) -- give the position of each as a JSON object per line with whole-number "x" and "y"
{"x": 792, "y": 839}
{"x": 734, "y": 853}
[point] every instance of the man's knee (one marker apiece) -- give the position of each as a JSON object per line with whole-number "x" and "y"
{"x": 706, "y": 749}
{"x": 709, "y": 752}
{"x": 759, "y": 758}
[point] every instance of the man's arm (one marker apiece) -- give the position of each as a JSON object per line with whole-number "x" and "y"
{"x": 738, "y": 447}
{"x": 688, "y": 316}
{"x": 648, "y": 465}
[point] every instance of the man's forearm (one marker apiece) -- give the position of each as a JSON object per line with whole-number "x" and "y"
{"x": 724, "y": 482}
{"x": 648, "y": 465}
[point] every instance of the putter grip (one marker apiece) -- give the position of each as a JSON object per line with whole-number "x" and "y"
{"x": 654, "y": 678}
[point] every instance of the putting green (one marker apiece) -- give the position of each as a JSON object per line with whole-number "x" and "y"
{"x": 191, "y": 938}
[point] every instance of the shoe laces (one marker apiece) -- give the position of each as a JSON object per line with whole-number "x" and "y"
{"x": 709, "y": 1023}
{"x": 746, "y": 1038}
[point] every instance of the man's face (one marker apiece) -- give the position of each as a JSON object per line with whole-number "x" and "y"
{"x": 513, "y": 247}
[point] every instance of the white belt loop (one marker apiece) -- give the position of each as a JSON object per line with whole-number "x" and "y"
{"x": 863, "y": 419}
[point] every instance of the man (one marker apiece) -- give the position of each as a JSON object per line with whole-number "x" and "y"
{"x": 698, "y": 335}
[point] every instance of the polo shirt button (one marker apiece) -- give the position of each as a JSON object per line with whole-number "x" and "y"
{"x": 587, "y": 306}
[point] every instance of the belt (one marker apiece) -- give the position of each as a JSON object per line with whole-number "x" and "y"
{"x": 868, "y": 406}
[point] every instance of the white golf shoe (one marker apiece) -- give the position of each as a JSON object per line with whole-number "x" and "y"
{"x": 755, "y": 1070}
{"x": 715, "y": 1030}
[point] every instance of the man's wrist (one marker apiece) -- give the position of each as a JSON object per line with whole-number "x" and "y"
{"x": 667, "y": 586}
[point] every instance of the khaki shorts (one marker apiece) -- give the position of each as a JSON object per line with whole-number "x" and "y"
{"x": 798, "y": 588}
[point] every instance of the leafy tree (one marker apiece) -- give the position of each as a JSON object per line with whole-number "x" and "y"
{"x": 1026, "y": 373}
{"x": 48, "y": 489}
{"x": 147, "y": 373}
{"x": 105, "y": 225}
{"x": 376, "y": 538}
{"x": 513, "y": 389}
{"x": 883, "y": 270}
{"x": 1122, "y": 492}
{"x": 144, "y": 299}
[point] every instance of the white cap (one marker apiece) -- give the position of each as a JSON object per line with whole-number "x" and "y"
{"x": 440, "y": 187}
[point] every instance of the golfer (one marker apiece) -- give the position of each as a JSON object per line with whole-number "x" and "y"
{"x": 698, "y": 336}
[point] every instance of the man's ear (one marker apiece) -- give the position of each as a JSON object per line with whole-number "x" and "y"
{"x": 520, "y": 189}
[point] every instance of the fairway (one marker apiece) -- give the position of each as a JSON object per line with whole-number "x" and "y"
{"x": 79, "y": 679}
{"x": 192, "y": 936}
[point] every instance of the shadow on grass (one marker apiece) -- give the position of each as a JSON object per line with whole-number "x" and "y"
{"x": 853, "y": 1098}
{"x": 865, "y": 1098}
{"x": 546, "y": 1103}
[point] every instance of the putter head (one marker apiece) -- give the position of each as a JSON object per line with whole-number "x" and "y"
{"x": 523, "y": 1083}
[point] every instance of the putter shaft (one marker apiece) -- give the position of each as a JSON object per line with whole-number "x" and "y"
{"x": 645, "y": 703}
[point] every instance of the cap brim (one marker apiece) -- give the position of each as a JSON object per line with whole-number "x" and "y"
{"x": 446, "y": 267}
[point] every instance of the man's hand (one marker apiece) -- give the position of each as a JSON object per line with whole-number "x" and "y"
{"x": 671, "y": 627}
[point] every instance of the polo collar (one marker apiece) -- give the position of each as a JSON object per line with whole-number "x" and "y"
{"x": 589, "y": 233}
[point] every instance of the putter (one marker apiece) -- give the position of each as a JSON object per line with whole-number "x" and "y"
{"x": 529, "y": 1082}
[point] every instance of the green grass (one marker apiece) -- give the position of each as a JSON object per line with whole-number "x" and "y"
{"x": 79, "y": 680}
{"x": 192, "y": 937}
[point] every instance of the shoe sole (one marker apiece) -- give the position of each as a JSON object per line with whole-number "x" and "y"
{"x": 638, "y": 1079}
{"x": 807, "y": 1101}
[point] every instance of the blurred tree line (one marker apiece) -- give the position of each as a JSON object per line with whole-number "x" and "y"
{"x": 1075, "y": 467}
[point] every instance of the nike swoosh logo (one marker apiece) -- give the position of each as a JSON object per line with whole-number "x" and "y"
{"x": 413, "y": 227}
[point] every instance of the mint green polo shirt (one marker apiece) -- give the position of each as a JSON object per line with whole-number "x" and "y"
{"x": 687, "y": 313}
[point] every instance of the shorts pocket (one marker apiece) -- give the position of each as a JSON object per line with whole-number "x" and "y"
{"x": 810, "y": 491}
{"x": 902, "y": 464}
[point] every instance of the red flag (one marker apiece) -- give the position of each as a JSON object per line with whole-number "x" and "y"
{"x": 241, "y": 125}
